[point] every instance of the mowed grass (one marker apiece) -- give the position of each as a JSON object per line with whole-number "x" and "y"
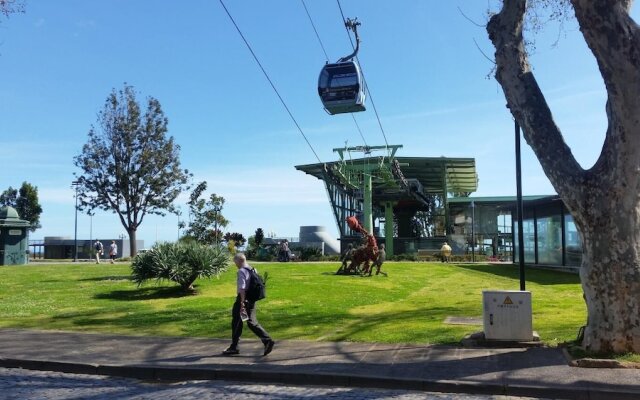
{"x": 304, "y": 301}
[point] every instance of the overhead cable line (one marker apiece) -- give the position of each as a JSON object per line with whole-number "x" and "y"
{"x": 270, "y": 81}
{"x": 327, "y": 58}
{"x": 315, "y": 30}
{"x": 359, "y": 130}
{"x": 375, "y": 110}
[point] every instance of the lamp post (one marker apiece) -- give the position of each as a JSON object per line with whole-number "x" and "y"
{"x": 216, "y": 210}
{"x": 519, "y": 207}
{"x": 75, "y": 235}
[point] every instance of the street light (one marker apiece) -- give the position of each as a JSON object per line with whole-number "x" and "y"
{"x": 216, "y": 210}
{"x": 75, "y": 184}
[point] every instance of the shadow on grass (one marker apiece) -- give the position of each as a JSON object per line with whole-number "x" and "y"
{"x": 538, "y": 276}
{"x": 329, "y": 327}
{"x": 107, "y": 278}
{"x": 148, "y": 293}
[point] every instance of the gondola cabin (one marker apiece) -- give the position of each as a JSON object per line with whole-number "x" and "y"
{"x": 341, "y": 88}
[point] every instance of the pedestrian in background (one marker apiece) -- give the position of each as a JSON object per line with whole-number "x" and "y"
{"x": 113, "y": 251}
{"x": 445, "y": 252}
{"x": 99, "y": 249}
{"x": 382, "y": 257}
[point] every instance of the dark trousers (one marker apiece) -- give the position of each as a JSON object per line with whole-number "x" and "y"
{"x": 254, "y": 325}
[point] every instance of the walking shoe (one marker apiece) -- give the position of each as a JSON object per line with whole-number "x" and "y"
{"x": 231, "y": 351}
{"x": 268, "y": 347}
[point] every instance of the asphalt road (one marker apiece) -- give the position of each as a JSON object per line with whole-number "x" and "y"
{"x": 25, "y": 384}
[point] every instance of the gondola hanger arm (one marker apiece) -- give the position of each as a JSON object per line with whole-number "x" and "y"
{"x": 353, "y": 25}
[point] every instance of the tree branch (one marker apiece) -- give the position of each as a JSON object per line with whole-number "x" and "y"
{"x": 614, "y": 40}
{"x": 528, "y": 105}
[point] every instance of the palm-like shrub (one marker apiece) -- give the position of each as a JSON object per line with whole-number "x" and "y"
{"x": 181, "y": 262}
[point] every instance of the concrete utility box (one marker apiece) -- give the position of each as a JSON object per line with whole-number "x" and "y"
{"x": 507, "y": 315}
{"x": 13, "y": 237}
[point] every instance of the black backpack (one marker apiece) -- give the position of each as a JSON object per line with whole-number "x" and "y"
{"x": 257, "y": 289}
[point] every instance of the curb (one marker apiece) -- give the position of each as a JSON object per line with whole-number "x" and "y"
{"x": 172, "y": 374}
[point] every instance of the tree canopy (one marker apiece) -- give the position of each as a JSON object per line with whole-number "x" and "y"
{"x": 129, "y": 166}
{"x": 25, "y": 201}
{"x": 206, "y": 219}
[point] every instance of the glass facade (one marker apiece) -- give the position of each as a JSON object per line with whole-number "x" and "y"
{"x": 549, "y": 230}
{"x": 550, "y": 235}
{"x": 573, "y": 246}
{"x": 483, "y": 228}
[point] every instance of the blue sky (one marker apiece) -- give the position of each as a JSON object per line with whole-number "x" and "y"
{"x": 60, "y": 60}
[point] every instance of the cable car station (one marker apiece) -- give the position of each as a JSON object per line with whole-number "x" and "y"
{"x": 385, "y": 188}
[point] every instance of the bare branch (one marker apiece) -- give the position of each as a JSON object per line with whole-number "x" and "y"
{"x": 482, "y": 52}
{"x": 470, "y": 20}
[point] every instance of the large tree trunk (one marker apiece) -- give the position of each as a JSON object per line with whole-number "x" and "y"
{"x": 132, "y": 242}
{"x": 610, "y": 277}
{"x": 604, "y": 200}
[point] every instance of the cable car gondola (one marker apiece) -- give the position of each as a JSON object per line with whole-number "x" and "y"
{"x": 341, "y": 85}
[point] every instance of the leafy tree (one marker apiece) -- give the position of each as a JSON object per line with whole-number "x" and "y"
{"x": 259, "y": 237}
{"x": 237, "y": 238}
{"x": 8, "y": 7}
{"x": 603, "y": 200}
{"x": 206, "y": 216}
{"x": 129, "y": 165}
{"x": 26, "y": 202}
{"x": 9, "y": 198}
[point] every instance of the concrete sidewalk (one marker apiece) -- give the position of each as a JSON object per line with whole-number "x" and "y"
{"x": 539, "y": 372}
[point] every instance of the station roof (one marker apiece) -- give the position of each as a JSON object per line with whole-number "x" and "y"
{"x": 498, "y": 199}
{"x": 459, "y": 174}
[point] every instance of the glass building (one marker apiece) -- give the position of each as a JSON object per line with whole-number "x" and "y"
{"x": 489, "y": 226}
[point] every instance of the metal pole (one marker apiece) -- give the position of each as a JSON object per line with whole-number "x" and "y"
{"x": 216, "y": 211}
{"x": 75, "y": 235}
{"x": 368, "y": 217}
{"x": 388, "y": 227}
{"x": 473, "y": 231}
{"x": 519, "y": 207}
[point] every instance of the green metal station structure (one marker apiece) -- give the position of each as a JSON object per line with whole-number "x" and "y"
{"x": 390, "y": 190}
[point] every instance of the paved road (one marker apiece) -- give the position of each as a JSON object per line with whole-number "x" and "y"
{"x": 23, "y": 384}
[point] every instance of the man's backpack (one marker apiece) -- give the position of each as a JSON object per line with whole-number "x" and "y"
{"x": 257, "y": 289}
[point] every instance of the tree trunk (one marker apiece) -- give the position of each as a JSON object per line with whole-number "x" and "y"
{"x": 603, "y": 200}
{"x": 610, "y": 276}
{"x": 132, "y": 242}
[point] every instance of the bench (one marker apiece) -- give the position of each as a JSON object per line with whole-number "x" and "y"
{"x": 423, "y": 254}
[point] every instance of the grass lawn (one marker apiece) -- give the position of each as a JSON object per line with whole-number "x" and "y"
{"x": 304, "y": 301}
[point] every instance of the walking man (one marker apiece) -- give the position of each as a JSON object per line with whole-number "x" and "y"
{"x": 247, "y": 309}
{"x": 97, "y": 246}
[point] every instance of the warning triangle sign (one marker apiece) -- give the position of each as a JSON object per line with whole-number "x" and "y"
{"x": 507, "y": 300}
